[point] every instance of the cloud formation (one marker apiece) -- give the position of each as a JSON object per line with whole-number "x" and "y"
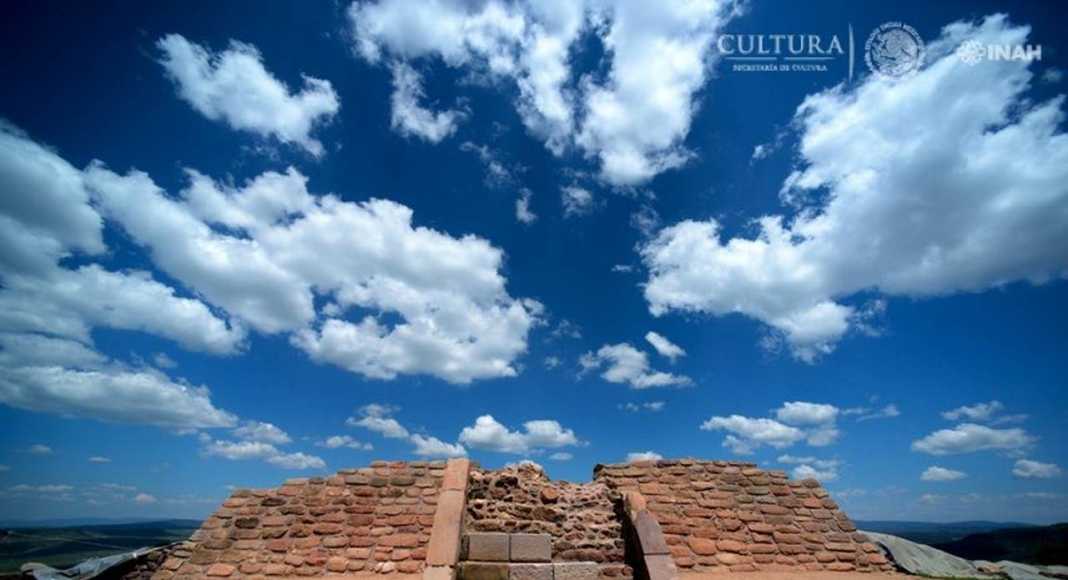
{"x": 623, "y": 363}
{"x": 233, "y": 86}
{"x": 488, "y": 434}
{"x": 941, "y": 147}
{"x": 632, "y": 122}
{"x": 970, "y": 437}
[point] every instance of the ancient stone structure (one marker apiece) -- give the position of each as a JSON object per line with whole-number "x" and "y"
{"x": 375, "y": 519}
{"x": 653, "y": 519}
{"x": 718, "y": 515}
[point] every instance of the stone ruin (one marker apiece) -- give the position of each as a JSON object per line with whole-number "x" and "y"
{"x": 650, "y": 519}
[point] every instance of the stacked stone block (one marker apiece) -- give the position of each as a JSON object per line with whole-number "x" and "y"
{"x": 499, "y": 556}
{"x": 582, "y": 519}
{"x": 731, "y": 516}
{"x": 371, "y": 520}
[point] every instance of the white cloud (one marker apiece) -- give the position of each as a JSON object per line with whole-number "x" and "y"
{"x": 1052, "y": 75}
{"x": 490, "y": 435}
{"x": 523, "y": 214}
{"x": 455, "y": 319}
{"x": 812, "y": 467}
{"x": 39, "y": 449}
{"x": 336, "y": 441}
{"x": 936, "y": 473}
{"x": 377, "y": 418}
{"x": 245, "y": 450}
{"x": 409, "y": 118}
{"x": 888, "y": 411}
{"x": 804, "y": 413}
{"x": 810, "y": 472}
{"x": 979, "y": 412}
{"x": 551, "y": 362}
{"x": 626, "y": 364}
{"x": 161, "y": 360}
{"x": 115, "y": 395}
{"x": 561, "y": 456}
{"x": 233, "y": 86}
{"x": 970, "y": 437}
{"x": 1028, "y": 469}
{"x": 145, "y": 499}
{"x": 577, "y": 201}
{"x": 943, "y": 142}
{"x": 643, "y": 456}
{"x": 665, "y": 347}
{"x": 633, "y": 122}
{"x": 931, "y": 499}
{"x": 300, "y": 461}
{"x": 261, "y": 431}
{"x": 426, "y": 446}
{"x": 747, "y": 434}
{"x": 99, "y": 459}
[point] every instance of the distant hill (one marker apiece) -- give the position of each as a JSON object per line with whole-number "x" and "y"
{"x": 64, "y": 546}
{"x": 931, "y": 533}
{"x": 76, "y": 522}
{"x": 1033, "y": 545}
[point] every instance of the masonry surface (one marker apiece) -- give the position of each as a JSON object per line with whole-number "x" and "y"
{"x": 642, "y": 520}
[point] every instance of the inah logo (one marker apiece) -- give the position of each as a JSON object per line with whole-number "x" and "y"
{"x": 894, "y": 50}
{"x": 972, "y": 52}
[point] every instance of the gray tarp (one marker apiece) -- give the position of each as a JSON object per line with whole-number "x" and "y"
{"x": 90, "y": 568}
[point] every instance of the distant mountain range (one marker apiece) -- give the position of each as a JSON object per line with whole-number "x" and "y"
{"x": 931, "y": 533}
{"x": 79, "y": 522}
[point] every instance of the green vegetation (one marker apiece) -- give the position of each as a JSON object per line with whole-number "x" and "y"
{"x": 62, "y": 547}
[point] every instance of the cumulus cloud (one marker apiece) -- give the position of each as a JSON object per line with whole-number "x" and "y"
{"x": 623, "y": 363}
{"x": 940, "y": 147}
{"x": 426, "y": 446}
{"x": 577, "y": 201}
{"x": 261, "y": 431}
{"x": 634, "y": 456}
{"x": 377, "y": 418}
{"x": 523, "y": 213}
{"x": 99, "y": 459}
{"x": 39, "y": 449}
{"x": 970, "y": 437}
{"x": 411, "y": 119}
{"x": 652, "y": 406}
{"x": 561, "y": 456}
{"x": 145, "y": 499}
{"x": 245, "y": 450}
{"x": 336, "y": 441}
{"x": 981, "y": 412}
{"x": 888, "y": 411}
{"x": 663, "y": 346}
{"x": 632, "y": 121}
{"x": 936, "y": 473}
{"x": 233, "y": 86}
{"x": 812, "y": 467}
{"x": 817, "y": 418}
{"x": 747, "y": 434}
{"x": 490, "y": 435}
{"x": 454, "y": 319}
{"x": 1028, "y": 469}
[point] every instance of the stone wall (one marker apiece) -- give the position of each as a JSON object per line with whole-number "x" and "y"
{"x": 583, "y": 519}
{"x": 375, "y": 519}
{"x": 720, "y": 516}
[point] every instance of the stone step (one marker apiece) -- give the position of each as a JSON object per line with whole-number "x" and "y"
{"x": 501, "y": 547}
{"x": 529, "y": 571}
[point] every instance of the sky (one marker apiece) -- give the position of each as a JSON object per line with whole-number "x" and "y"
{"x": 242, "y": 245}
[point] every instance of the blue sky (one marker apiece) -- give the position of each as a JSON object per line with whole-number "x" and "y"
{"x": 241, "y": 246}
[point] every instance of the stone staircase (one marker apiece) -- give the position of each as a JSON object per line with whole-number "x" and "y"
{"x": 501, "y": 556}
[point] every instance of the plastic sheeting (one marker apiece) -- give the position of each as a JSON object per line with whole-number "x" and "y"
{"x": 90, "y": 568}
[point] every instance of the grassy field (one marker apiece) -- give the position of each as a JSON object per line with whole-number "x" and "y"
{"x": 62, "y": 547}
